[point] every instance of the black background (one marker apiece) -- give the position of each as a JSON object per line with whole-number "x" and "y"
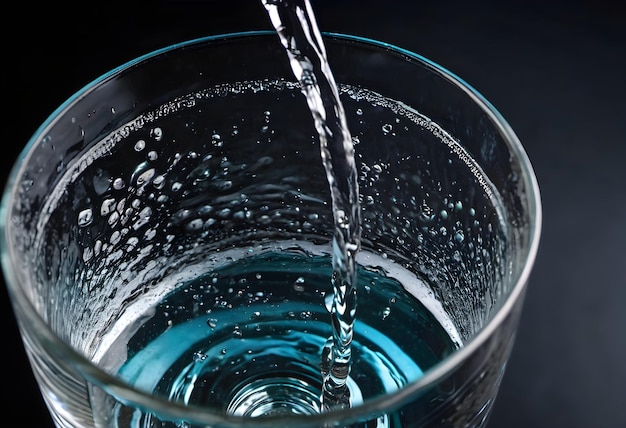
{"x": 555, "y": 70}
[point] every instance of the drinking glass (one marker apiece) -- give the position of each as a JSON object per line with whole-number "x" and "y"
{"x": 167, "y": 242}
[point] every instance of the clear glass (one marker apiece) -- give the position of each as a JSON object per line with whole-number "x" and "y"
{"x": 202, "y": 153}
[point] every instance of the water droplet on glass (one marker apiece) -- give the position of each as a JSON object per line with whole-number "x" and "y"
{"x": 199, "y": 356}
{"x": 118, "y": 184}
{"x": 101, "y": 182}
{"x": 426, "y": 212}
{"x": 85, "y": 217}
{"x": 386, "y": 312}
{"x": 328, "y": 301}
{"x": 144, "y": 217}
{"x": 113, "y": 218}
{"x": 87, "y": 254}
{"x": 224, "y": 213}
{"x": 115, "y": 237}
{"x": 299, "y": 284}
{"x": 157, "y": 133}
{"x": 195, "y": 224}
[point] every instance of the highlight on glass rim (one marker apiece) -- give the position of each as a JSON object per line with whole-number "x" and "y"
{"x": 272, "y": 227}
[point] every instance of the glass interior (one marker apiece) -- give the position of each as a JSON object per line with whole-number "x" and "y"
{"x": 126, "y": 185}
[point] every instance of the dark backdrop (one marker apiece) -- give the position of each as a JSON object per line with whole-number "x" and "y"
{"x": 555, "y": 70}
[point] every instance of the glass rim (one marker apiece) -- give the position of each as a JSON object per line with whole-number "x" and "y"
{"x": 125, "y": 392}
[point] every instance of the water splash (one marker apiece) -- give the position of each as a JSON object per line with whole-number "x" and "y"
{"x": 299, "y": 34}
